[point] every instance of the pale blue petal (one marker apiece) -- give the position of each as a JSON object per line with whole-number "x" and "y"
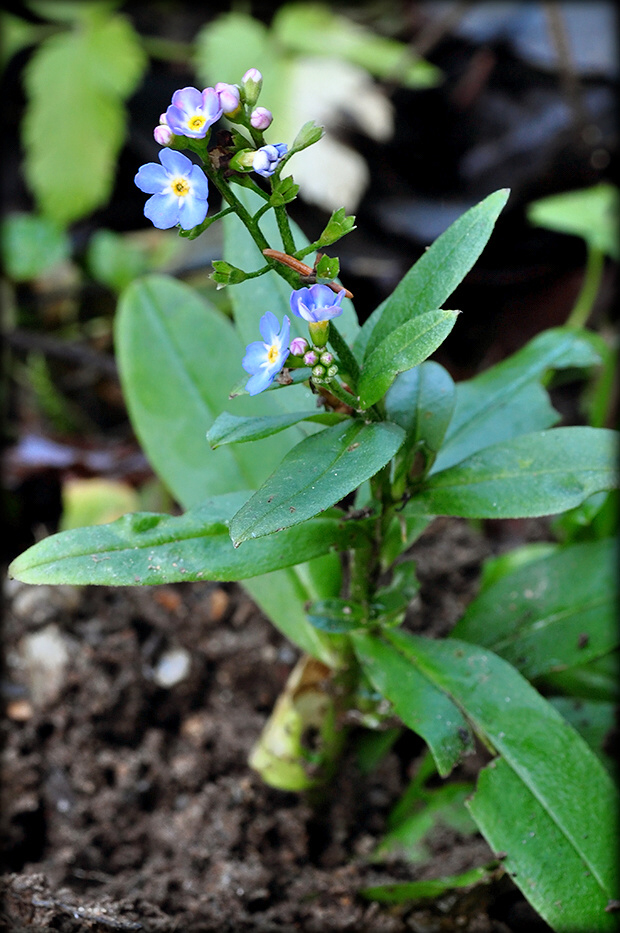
{"x": 162, "y": 210}
{"x": 199, "y": 183}
{"x": 192, "y": 211}
{"x": 151, "y": 178}
{"x": 297, "y": 302}
{"x": 269, "y": 327}
{"x": 175, "y": 162}
{"x": 259, "y": 381}
{"x": 255, "y": 356}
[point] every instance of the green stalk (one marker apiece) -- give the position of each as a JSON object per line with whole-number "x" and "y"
{"x": 589, "y": 289}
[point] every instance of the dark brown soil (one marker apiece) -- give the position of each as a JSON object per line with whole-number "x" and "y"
{"x": 128, "y": 801}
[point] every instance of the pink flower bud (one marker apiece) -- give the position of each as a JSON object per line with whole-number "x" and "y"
{"x": 163, "y": 134}
{"x": 261, "y": 118}
{"x": 251, "y": 84}
{"x": 326, "y": 358}
{"x": 228, "y": 95}
{"x": 298, "y": 346}
{"x": 311, "y": 358}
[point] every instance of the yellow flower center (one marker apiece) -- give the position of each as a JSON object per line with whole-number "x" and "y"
{"x": 180, "y": 186}
{"x": 196, "y": 122}
{"x": 272, "y": 353}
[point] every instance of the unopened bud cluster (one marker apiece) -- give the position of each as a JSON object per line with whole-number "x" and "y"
{"x": 322, "y": 362}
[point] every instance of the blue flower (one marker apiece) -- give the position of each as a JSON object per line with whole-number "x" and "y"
{"x": 264, "y": 360}
{"x": 317, "y": 303}
{"x": 267, "y": 159}
{"x": 180, "y": 191}
{"x": 192, "y": 112}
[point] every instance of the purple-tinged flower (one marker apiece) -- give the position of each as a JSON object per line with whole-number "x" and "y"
{"x": 180, "y": 191}
{"x": 311, "y": 358}
{"x": 193, "y": 112}
{"x": 267, "y": 159}
{"x": 317, "y": 303}
{"x": 261, "y": 118}
{"x": 298, "y": 347}
{"x": 163, "y": 134}
{"x": 265, "y": 358}
{"x": 229, "y": 96}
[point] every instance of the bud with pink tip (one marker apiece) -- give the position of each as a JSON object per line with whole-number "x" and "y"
{"x": 251, "y": 84}
{"x": 261, "y": 118}
{"x": 163, "y": 134}
{"x": 311, "y": 358}
{"x": 299, "y": 346}
{"x": 229, "y": 96}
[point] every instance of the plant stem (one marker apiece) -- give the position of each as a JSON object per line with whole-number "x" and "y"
{"x": 589, "y": 289}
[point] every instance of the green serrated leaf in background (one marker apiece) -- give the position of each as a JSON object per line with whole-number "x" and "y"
{"x": 31, "y": 245}
{"x": 590, "y": 213}
{"x": 74, "y": 124}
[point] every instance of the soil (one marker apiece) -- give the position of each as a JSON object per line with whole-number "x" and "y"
{"x": 128, "y": 800}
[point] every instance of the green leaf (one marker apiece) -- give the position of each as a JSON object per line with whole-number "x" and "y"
{"x": 421, "y": 401}
{"x": 535, "y": 474}
{"x": 313, "y": 29}
{"x": 420, "y": 704}
{"x": 31, "y": 245}
{"x": 557, "y": 612}
{"x": 316, "y": 474}
{"x": 594, "y": 720}
{"x": 433, "y": 278}
{"x": 74, "y": 124}
{"x": 589, "y": 213}
{"x": 552, "y": 874}
{"x": 148, "y": 548}
{"x": 164, "y": 328}
{"x": 440, "y": 808}
{"x": 175, "y": 388}
{"x": 336, "y": 615}
{"x": 405, "y": 347}
{"x": 234, "y": 429}
{"x": 597, "y": 680}
{"x": 284, "y": 192}
{"x": 404, "y": 892}
{"x": 547, "y": 802}
{"x": 309, "y": 134}
{"x": 338, "y": 225}
{"x": 508, "y": 399}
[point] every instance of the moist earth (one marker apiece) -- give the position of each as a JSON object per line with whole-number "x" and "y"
{"x": 128, "y": 803}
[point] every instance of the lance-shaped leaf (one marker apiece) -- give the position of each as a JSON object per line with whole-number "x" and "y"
{"x": 235, "y": 429}
{"x": 438, "y": 271}
{"x": 423, "y": 707}
{"x": 508, "y": 399}
{"x": 554, "y": 613}
{"x": 149, "y": 548}
{"x": 404, "y": 347}
{"x": 316, "y": 474}
{"x": 552, "y": 875}
{"x": 548, "y": 803}
{"x": 536, "y": 474}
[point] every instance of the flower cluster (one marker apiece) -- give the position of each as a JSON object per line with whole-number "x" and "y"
{"x": 265, "y": 359}
{"x": 179, "y": 189}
